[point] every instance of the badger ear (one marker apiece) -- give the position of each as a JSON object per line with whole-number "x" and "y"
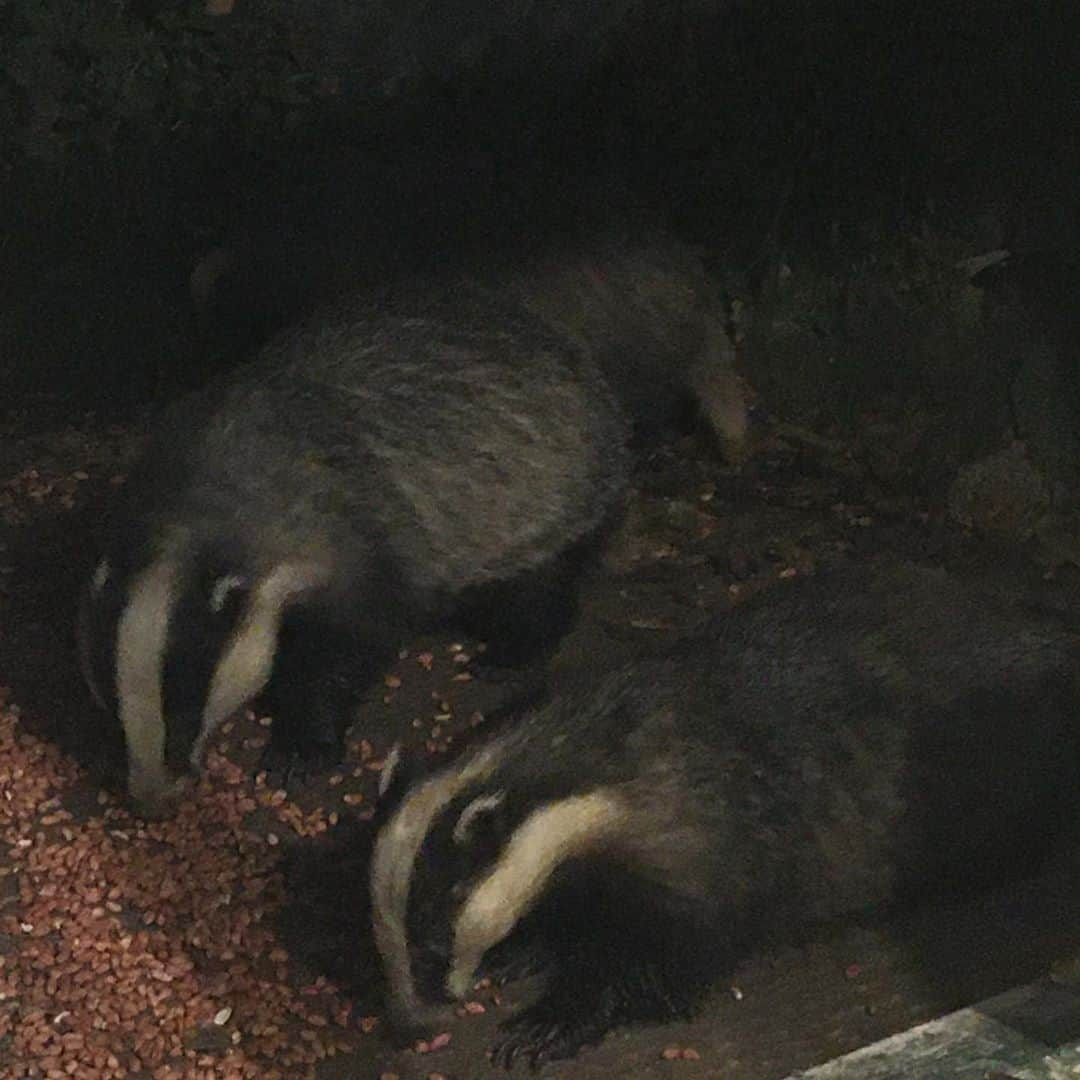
{"x": 224, "y": 588}
{"x": 482, "y": 807}
{"x": 392, "y": 767}
{"x": 402, "y": 769}
{"x": 99, "y": 579}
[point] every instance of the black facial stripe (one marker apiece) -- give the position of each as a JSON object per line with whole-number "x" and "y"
{"x": 99, "y": 617}
{"x": 441, "y": 865}
{"x": 198, "y": 638}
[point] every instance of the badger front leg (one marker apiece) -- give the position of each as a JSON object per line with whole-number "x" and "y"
{"x": 575, "y": 1011}
{"x": 623, "y": 973}
{"x": 319, "y": 671}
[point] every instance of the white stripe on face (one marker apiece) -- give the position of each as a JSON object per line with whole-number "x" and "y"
{"x": 246, "y": 664}
{"x": 392, "y": 868}
{"x": 141, "y": 638}
{"x": 548, "y": 837}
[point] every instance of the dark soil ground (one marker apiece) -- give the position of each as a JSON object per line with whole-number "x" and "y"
{"x": 700, "y": 537}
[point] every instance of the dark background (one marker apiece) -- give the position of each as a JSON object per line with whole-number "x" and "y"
{"x": 326, "y": 141}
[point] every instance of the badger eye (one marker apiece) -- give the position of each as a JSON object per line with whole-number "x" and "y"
{"x": 225, "y": 590}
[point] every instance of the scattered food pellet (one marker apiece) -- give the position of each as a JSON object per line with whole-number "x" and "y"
{"x": 425, "y": 1046}
{"x": 679, "y": 1053}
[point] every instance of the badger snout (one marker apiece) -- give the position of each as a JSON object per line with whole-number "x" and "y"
{"x": 156, "y": 796}
{"x": 406, "y": 1022}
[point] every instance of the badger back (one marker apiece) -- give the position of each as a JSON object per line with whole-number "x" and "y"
{"x": 489, "y": 447}
{"x": 377, "y": 460}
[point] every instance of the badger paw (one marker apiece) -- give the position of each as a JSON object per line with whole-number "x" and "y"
{"x": 288, "y": 764}
{"x": 518, "y": 960}
{"x": 493, "y": 673}
{"x": 542, "y": 1033}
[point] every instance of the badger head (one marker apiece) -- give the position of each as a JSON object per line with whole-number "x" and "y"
{"x": 174, "y": 643}
{"x": 460, "y": 859}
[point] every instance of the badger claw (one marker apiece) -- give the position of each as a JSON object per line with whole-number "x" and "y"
{"x": 539, "y": 1034}
{"x": 488, "y": 672}
{"x": 521, "y": 962}
{"x": 288, "y": 765}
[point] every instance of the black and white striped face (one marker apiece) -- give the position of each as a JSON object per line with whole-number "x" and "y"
{"x": 457, "y": 864}
{"x": 173, "y": 647}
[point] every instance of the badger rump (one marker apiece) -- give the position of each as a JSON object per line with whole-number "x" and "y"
{"x": 838, "y": 746}
{"x": 638, "y": 301}
{"x": 387, "y": 464}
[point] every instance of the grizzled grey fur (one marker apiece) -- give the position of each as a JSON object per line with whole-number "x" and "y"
{"x": 393, "y": 459}
{"x": 837, "y": 746}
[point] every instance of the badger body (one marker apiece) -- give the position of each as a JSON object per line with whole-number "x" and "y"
{"x": 835, "y": 747}
{"x": 388, "y": 463}
{"x": 639, "y": 303}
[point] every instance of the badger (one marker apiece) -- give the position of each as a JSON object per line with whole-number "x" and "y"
{"x": 392, "y": 461}
{"x": 639, "y": 302}
{"x": 841, "y": 745}
{"x": 632, "y": 297}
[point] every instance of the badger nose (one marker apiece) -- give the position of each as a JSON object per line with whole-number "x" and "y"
{"x": 158, "y": 800}
{"x": 406, "y": 1024}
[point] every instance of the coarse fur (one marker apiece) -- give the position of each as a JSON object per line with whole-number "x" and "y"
{"x": 639, "y": 303}
{"x": 838, "y": 745}
{"x": 388, "y": 463}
